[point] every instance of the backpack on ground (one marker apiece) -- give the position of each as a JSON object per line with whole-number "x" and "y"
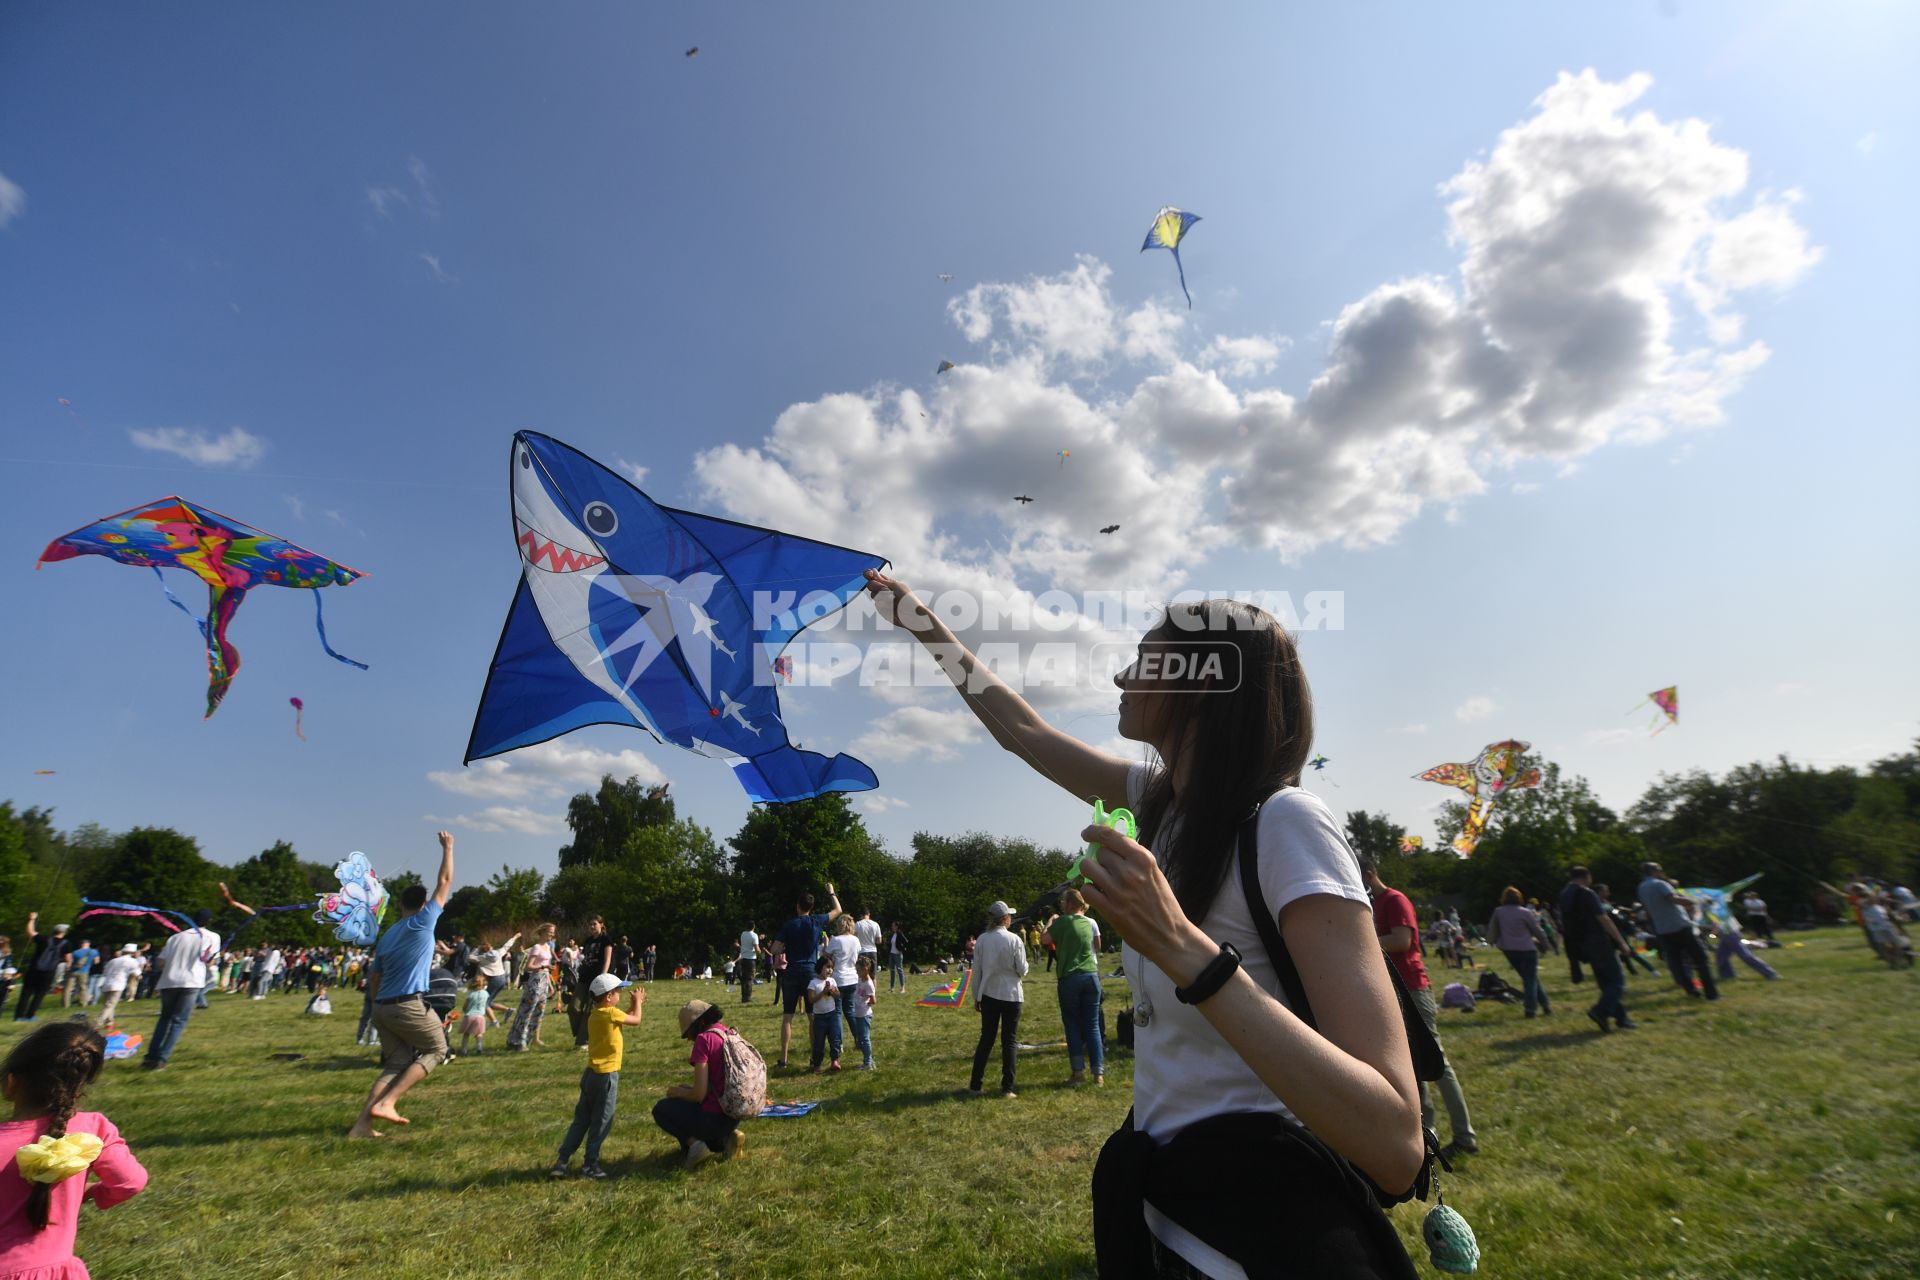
{"x": 1495, "y": 987}
{"x": 744, "y": 1093}
{"x": 1457, "y": 995}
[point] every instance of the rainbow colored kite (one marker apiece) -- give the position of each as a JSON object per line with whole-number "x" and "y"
{"x": 1490, "y": 775}
{"x": 949, "y": 995}
{"x": 1668, "y": 701}
{"x": 230, "y": 557}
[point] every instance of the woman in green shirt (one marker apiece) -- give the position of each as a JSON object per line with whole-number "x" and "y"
{"x": 1077, "y": 942}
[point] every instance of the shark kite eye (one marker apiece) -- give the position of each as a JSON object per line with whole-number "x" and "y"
{"x": 600, "y": 519}
{"x": 526, "y": 459}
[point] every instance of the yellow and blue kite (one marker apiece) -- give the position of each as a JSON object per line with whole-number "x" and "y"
{"x": 1168, "y": 230}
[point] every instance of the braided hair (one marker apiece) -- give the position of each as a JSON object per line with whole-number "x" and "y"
{"x": 50, "y": 1070}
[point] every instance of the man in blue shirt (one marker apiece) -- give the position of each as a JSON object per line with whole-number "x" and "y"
{"x": 800, "y": 937}
{"x": 79, "y": 969}
{"x": 412, "y": 1041}
{"x": 1673, "y": 930}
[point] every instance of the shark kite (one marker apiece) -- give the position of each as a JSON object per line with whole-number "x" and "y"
{"x": 636, "y": 614}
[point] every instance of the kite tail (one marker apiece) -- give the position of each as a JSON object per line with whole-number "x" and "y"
{"x": 320, "y": 625}
{"x": 223, "y": 660}
{"x": 1181, "y": 268}
{"x": 788, "y": 773}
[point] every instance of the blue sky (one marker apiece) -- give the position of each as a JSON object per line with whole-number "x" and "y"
{"x": 378, "y": 241}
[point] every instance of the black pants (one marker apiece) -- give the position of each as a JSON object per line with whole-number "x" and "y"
{"x": 743, "y": 974}
{"x": 1761, "y": 925}
{"x": 577, "y": 1019}
{"x": 1683, "y": 950}
{"x": 1000, "y": 1017}
{"x": 34, "y": 985}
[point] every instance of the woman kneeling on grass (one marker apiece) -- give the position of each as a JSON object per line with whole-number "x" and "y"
{"x": 692, "y": 1113}
{"x": 1251, "y": 1128}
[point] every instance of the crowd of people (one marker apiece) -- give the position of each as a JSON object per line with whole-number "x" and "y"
{"x": 1283, "y": 1021}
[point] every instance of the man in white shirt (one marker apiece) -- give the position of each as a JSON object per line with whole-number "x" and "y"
{"x": 115, "y": 977}
{"x": 999, "y": 962}
{"x": 743, "y": 963}
{"x": 867, "y": 929}
{"x": 183, "y": 975}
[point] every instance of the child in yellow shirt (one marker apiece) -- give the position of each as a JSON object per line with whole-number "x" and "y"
{"x": 600, "y": 1082}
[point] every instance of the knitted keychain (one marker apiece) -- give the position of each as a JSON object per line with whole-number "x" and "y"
{"x": 1450, "y": 1243}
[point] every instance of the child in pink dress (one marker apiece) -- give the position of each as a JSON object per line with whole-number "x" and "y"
{"x": 49, "y": 1150}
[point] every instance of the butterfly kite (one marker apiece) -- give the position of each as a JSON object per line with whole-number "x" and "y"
{"x": 1668, "y": 701}
{"x": 1412, "y": 844}
{"x": 230, "y": 557}
{"x": 1491, "y": 774}
{"x": 636, "y": 614}
{"x": 1168, "y": 230}
{"x": 355, "y": 909}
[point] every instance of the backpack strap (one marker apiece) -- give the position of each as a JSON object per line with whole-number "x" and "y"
{"x": 1263, "y": 920}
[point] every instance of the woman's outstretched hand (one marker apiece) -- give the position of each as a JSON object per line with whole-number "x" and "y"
{"x": 894, "y": 599}
{"x": 1126, "y": 885}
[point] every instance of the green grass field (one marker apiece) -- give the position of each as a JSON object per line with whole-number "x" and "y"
{"x": 1774, "y": 1133}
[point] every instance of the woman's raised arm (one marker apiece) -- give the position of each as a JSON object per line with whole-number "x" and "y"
{"x": 1081, "y": 770}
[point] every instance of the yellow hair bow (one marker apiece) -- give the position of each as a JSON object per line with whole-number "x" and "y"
{"x": 54, "y": 1159}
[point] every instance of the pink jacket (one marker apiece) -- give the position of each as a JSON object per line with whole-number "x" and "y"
{"x": 47, "y": 1253}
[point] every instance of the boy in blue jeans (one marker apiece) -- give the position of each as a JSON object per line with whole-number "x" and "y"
{"x": 600, "y": 1082}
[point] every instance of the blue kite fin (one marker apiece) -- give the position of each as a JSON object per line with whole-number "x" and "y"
{"x": 788, "y": 773}
{"x": 533, "y": 692}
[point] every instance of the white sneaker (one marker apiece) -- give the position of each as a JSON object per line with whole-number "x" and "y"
{"x": 698, "y": 1153}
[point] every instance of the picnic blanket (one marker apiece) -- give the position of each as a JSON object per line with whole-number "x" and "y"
{"x": 786, "y": 1110}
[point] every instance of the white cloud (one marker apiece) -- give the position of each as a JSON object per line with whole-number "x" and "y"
{"x": 429, "y": 199}
{"x": 297, "y": 505}
{"x": 517, "y": 819}
{"x": 875, "y": 803}
{"x": 1410, "y": 729}
{"x": 440, "y": 274}
{"x": 236, "y": 447}
{"x": 1243, "y": 357}
{"x": 1582, "y": 234}
{"x": 1478, "y": 707}
{"x": 13, "y": 201}
{"x": 1067, "y": 316}
{"x": 1525, "y": 486}
{"x": 336, "y": 517}
{"x": 545, "y": 772}
{"x": 1866, "y": 143}
{"x": 632, "y": 471}
{"x": 918, "y": 733}
{"x": 385, "y": 198}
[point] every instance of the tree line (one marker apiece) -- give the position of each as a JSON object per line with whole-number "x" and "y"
{"x": 659, "y": 878}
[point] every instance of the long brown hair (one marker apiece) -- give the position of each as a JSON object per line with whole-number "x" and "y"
{"x": 1246, "y": 742}
{"x": 51, "y": 1069}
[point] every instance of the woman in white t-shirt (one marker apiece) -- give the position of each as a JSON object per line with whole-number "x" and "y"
{"x": 843, "y": 954}
{"x": 1214, "y": 1039}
